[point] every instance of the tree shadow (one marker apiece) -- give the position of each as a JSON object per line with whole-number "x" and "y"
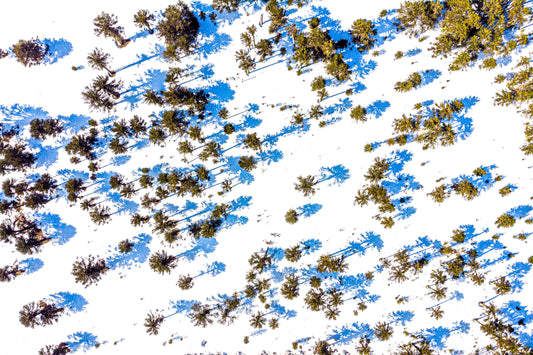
{"x": 46, "y": 156}
{"x": 348, "y": 333}
{"x": 123, "y": 205}
{"x": 21, "y": 115}
{"x": 82, "y": 341}
{"x": 428, "y": 76}
{"x": 271, "y": 156}
{"x": 205, "y": 245}
{"x": 57, "y": 49}
{"x": 60, "y": 232}
{"x": 74, "y": 123}
{"x": 311, "y": 246}
{"x": 520, "y": 211}
{"x": 401, "y": 317}
{"x": 412, "y": 52}
{"x": 309, "y": 209}
{"x": 377, "y": 108}
{"x": 138, "y": 255}
{"x": 73, "y": 301}
{"x": 120, "y": 160}
{"x": 31, "y": 265}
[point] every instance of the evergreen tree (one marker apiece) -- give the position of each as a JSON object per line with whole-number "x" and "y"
{"x": 247, "y": 163}
{"x": 306, "y": 185}
{"x": 179, "y": 29}
{"x": 419, "y": 16}
{"x": 97, "y": 59}
{"x": 264, "y": 49}
{"x": 152, "y": 322}
{"x": 59, "y": 349}
{"x": 228, "y": 6}
{"x": 143, "y": 20}
{"x": 383, "y": 331}
{"x": 289, "y": 288}
{"x": 185, "y": 282}
{"x": 162, "y": 263}
{"x": 505, "y": 221}
{"x": 201, "y": 315}
{"x": 106, "y": 25}
{"x": 293, "y": 254}
{"x": 88, "y": 270}
{"x": 277, "y": 14}
{"x": 253, "y": 142}
{"x": 291, "y": 216}
{"x": 40, "y": 129}
{"x": 100, "y": 215}
{"x": 30, "y": 52}
{"x": 9, "y": 272}
{"x": 257, "y": 320}
{"x": 362, "y": 32}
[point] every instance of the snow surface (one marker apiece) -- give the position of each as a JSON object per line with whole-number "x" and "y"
{"x": 112, "y": 313}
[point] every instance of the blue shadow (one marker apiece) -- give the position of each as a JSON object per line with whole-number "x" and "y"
{"x": 377, "y": 108}
{"x": 138, "y": 255}
{"x": 55, "y": 229}
{"x": 72, "y": 301}
{"x": 430, "y": 75}
{"x": 337, "y": 173}
{"x": 57, "y": 49}
{"x": 309, "y": 209}
{"x": 46, "y": 156}
{"x": 81, "y": 341}
{"x": 31, "y": 265}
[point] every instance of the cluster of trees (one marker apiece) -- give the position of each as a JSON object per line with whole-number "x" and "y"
{"x": 59, "y": 349}
{"x": 26, "y": 234}
{"x": 469, "y": 29}
{"x": 40, "y": 313}
{"x": 413, "y": 81}
{"x": 30, "y": 52}
{"x": 14, "y": 155}
{"x": 376, "y": 192}
{"x": 401, "y": 263}
{"x": 518, "y": 92}
{"x": 9, "y": 272}
{"x": 31, "y": 195}
{"x": 432, "y": 128}
{"x": 263, "y": 47}
{"x": 41, "y": 129}
{"x": 463, "y": 187}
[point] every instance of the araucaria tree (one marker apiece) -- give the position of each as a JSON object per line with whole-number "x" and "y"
{"x": 162, "y": 263}
{"x": 89, "y": 270}
{"x": 143, "y": 19}
{"x": 228, "y": 6}
{"x": 306, "y": 185}
{"x": 40, "y": 314}
{"x": 362, "y": 34}
{"x": 179, "y": 29}
{"x": 97, "y": 59}
{"x": 106, "y": 25}
{"x": 152, "y": 322}
{"x": 30, "y": 52}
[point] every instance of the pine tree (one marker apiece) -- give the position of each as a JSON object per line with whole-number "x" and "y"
{"x": 253, "y": 142}
{"x": 383, "y": 331}
{"x": 40, "y": 129}
{"x": 289, "y": 288}
{"x": 228, "y": 6}
{"x": 162, "y": 263}
{"x": 247, "y": 163}
{"x": 179, "y": 29}
{"x": 306, "y": 185}
{"x": 505, "y": 221}
{"x": 362, "y": 32}
{"x": 291, "y": 216}
{"x": 257, "y": 320}
{"x": 59, "y": 349}
{"x": 293, "y": 254}
{"x": 201, "y": 315}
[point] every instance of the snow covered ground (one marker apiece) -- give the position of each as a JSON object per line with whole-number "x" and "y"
{"x": 108, "y": 318}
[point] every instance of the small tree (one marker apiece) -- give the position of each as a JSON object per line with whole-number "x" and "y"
{"x": 358, "y": 113}
{"x": 106, "y": 25}
{"x": 505, "y": 221}
{"x": 258, "y": 320}
{"x": 152, "y": 322}
{"x": 289, "y": 288}
{"x": 501, "y": 286}
{"x": 253, "y": 142}
{"x": 125, "y": 246}
{"x": 293, "y": 254}
{"x": 306, "y": 185}
{"x": 100, "y": 215}
{"x": 201, "y": 315}
{"x": 383, "y": 331}
{"x": 291, "y": 216}
{"x": 30, "y": 52}
{"x": 88, "y": 270}
{"x": 99, "y": 60}
{"x": 60, "y": 349}
{"x": 162, "y": 263}
{"x": 228, "y": 6}
{"x": 143, "y": 20}
{"x": 362, "y": 32}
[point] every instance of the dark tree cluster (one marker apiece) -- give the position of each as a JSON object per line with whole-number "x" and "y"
{"x": 179, "y": 29}
{"x": 13, "y": 155}
{"x": 30, "y": 52}
{"x": 432, "y": 128}
{"x": 89, "y": 270}
{"x": 40, "y": 313}
{"x": 25, "y": 233}
{"x": 413, "y": 81}
{"x": 102, "y": 94}
{"x": 40, "y": 129}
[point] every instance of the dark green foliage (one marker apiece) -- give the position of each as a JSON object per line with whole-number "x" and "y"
{"x": 328, "y": 263}
{"x": 306, "y": 185}
{"x": 40, "y": 129}
{"x": 59, "y": 349}
{"x": 289, "y": 288}
{"x": 74, "y": 187}
{"x": 88, "y": 270}
{"x": 258, "y": 320}
{"x": 82, "y": 145}
{"x": 201, "y": 315}
{"x": 179, "y": 29}
{"x": 505, "y": 221}
{"x": 253, "y": 142}
{"x": 362, "y": 32}
{"x": 277, "y": 15}
{"x": 419, "y": 16}
{"x": 228, "y": 6}
{"x": 358, "y": 113}
{"x": 15, "y": 158}
{"x": 161, "y": 262}
{"x": 30, "y": 52}
{"x": 413, "y": 81}
{"x": 100, "y": 215}
{"x": 246, "y": 62}
{"x": 41, "y": 314}
{"x": 125, "y": 246}
{"x": 185, "y": 282}
{"x": 293, "y": 254}
{"x": 291, "y": 216}
{"x": 106, "y": 25}
{"x": 318, "y": 83}
{"x": 260, "y": 261}
{"x": 152, "y": 322}
{"x": 264, "y": 49}
{"x": 383, "y": 331}
{"x": 9, "y": 272}
{"x": 143, "y": 19}
{"x": 466, "y": 189}
{"x": 211, "y": 150}
{"x": 229, "y": 128}
{"x": 337, "y": 67}
{"x": 247, "y": 163}
{"x": 97, "y": 59}
{"x": 439, "y": 194}
{"x": 157, "y": 135}
{"x": 120, "y": 128}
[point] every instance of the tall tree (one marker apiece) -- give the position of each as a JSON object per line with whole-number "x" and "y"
{"x": 89, "y": 270}
{"x": 143, "y": 20}
{"x": 106, "y": 25}
{"x": 30, "y": 52}
{"x": 97, "y": 59}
